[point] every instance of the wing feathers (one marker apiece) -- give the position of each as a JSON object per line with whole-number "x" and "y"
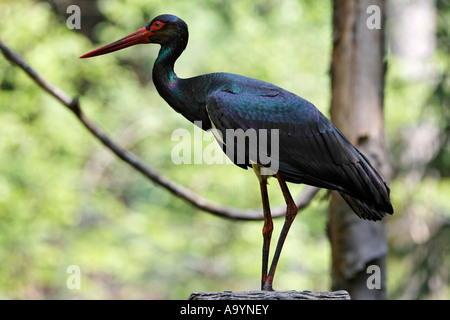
{"x": 311, "y": 149}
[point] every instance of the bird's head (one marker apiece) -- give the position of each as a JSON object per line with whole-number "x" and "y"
{"x": 162, "y": 30}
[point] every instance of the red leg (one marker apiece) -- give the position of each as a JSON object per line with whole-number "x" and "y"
{"x": 267, "y": 229}
{"x": 291, "y": 212}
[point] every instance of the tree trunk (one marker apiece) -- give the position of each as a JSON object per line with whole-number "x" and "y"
{"x": 357, "y": 73}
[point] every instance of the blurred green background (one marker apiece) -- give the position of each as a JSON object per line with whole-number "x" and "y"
{"x": 66, "y": 200}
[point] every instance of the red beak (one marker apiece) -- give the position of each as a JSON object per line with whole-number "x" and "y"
{"x": 140, "y": 36}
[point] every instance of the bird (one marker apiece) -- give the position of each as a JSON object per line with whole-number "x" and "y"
{"x": 308, "y": 149}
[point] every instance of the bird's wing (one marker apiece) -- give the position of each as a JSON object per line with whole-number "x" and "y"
{"x": 311, "y": 149}
{"x": 307, "y": 144}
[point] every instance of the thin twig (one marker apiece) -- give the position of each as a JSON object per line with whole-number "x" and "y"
{"x": 73, "y": 104}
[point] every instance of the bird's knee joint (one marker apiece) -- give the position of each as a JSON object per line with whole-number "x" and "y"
{"x": 267, "y": 229}
{"x": 291, "y": 210}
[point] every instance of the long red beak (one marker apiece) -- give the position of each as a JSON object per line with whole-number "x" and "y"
{"x": 140, "y": 36}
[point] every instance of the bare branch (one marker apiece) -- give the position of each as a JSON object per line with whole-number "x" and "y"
{"x": 73, "y": 105}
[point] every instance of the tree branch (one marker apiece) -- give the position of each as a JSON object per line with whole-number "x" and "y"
{"x": 73, "y": 104}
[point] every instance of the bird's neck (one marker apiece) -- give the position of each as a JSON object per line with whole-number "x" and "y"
{"x": 164, "y": 77}
{"x": 177, "y": 91}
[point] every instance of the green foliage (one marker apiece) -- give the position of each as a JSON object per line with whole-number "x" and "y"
{"x": 417, "y": 122}
{"x": 65, "y": 200}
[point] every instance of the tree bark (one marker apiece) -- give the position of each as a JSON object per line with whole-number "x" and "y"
{"x": 270, "y": 295}
{"x": 357, "y": 74}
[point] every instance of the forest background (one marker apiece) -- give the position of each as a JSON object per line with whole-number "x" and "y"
{"x": 67, "y": 201}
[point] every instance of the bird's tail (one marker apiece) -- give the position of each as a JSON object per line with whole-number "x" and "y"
{"x": 374, "y": 202}
{"x": 366, "y": 210}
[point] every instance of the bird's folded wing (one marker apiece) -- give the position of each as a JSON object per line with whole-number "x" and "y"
{"x": 311, "y": 149}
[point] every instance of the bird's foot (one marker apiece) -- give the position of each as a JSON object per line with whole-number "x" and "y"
{"x": 267, "y": 285}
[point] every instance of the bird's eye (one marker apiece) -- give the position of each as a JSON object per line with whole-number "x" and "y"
{"x": 157, "y": 25}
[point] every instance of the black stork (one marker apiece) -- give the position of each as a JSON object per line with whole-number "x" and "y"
{"x": 311, "y": 150}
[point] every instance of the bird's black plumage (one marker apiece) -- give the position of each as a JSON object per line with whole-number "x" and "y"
{"x": 311, "y": 149}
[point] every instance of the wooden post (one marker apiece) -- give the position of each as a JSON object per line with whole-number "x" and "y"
{"x": 270, "y": 295}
